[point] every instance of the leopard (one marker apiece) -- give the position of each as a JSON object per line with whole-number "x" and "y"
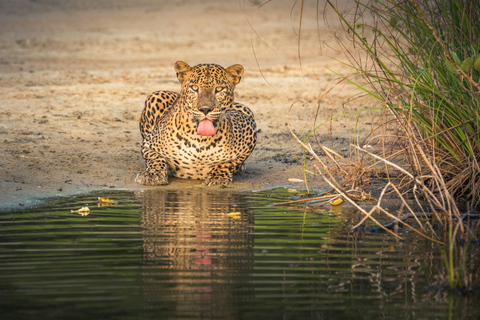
{"x": 200, "y": 132}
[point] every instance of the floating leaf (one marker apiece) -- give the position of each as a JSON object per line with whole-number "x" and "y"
{"x": 294, "y": 180}
{"x": 336, "y": 202}
{"x": 467, "y": 64}
{"x": 234, "y": 214}
{"x": 476, "y": 65}
{"x": 83, "y": 211}
{"x": 105, "y": 200}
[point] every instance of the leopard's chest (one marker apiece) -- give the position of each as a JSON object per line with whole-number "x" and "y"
{"x": 192, "y": 156}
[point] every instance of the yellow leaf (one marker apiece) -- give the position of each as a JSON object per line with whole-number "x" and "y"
{"x": 105, "y": 200}
{"x": 234, "y": 214}
{"x": 336, "y": 202}
{"x": 83, "y": 211}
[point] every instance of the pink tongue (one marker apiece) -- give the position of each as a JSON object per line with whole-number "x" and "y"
{"x": 206, "y": 128}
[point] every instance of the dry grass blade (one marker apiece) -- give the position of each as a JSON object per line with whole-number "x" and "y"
{"x": 351, "y": 193}
{"x": 377, "y": 206}
{"x": 386, "y": 161}
{"x": 408, "y": 226}
{"x": 407, "y": 216}
{"x": 305, "y": 200}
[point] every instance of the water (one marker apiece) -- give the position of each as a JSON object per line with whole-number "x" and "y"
{"x": 176, "y": 255}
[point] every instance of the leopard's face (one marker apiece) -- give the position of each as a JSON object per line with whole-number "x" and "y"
{"x": 208, "y": 89}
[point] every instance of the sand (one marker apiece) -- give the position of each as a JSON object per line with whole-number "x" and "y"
{"x": 74, "y": 76}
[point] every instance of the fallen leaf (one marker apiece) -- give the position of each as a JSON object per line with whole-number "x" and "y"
{"x": 105, "y": 200}
{"x": 83, "y": 211}
{"x": 294, "y": 180}
{"x": 234, "y": 214}
{"x": 336, "y": 202}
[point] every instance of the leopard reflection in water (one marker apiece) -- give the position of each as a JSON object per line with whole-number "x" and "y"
{"x": 195, "y": 256}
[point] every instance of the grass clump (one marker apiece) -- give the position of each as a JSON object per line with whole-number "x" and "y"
{"x": 421, "y": 60}
{"x": 425, "y": 66}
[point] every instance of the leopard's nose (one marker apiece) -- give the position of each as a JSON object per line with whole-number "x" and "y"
{"x": 205, "y": 110}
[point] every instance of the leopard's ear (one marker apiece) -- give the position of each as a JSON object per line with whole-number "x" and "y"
{"x": 234, "y": 73}
{"x": 183, "y": 70}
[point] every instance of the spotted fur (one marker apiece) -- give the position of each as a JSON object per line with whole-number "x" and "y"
{"x": 169, "y": 128}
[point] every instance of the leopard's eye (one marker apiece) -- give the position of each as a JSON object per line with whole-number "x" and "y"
{"x": 194, "y": 88}
{"x": 218, "y": 89}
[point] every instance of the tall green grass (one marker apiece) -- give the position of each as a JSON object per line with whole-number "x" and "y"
{"x": 425, "y": 66}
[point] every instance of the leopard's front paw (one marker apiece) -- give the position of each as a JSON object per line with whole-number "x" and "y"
{"x": 149, "y": 179}
{"x": 218, "y": 181}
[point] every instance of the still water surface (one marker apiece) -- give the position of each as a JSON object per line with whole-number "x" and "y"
{"x": 167, "y": 254}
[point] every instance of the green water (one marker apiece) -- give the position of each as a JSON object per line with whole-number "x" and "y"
{"x": 176, "y": 255}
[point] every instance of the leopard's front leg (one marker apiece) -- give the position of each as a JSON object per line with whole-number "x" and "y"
{"x": 156, "y": 172}
{"x": 222, "y": 174}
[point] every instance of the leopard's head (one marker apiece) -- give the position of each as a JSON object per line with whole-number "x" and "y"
{"x": 207, "y": 92}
